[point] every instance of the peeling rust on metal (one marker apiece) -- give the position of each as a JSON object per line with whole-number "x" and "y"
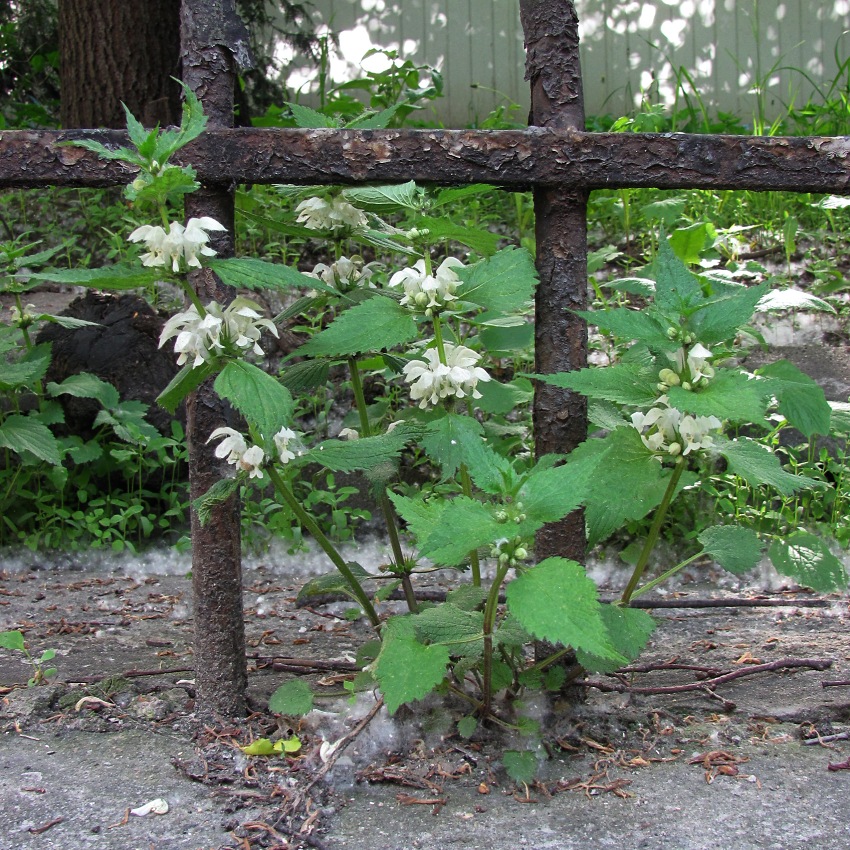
{"x": 513, "y": 159}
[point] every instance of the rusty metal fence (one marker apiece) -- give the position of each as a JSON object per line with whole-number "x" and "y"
{"x": 555, "y": 157}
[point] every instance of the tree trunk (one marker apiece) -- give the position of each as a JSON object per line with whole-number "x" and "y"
{"x": 113, "y": 51}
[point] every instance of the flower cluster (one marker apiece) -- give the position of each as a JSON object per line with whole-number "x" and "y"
{"x": 180, "y": 243}
{"x": 431, "y": 380}
{"x": 319, "y": 214}
{"x": 23, "y": 318}
{"x": 235, "y": 449}
{"x": 202, "y": 338}
{"x": 691, "y": 369}
{"x": 428, "y": 292}
{"x": 665, "y": 429}
{"x": 345, "y": 273}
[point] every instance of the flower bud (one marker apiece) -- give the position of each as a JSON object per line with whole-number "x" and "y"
{"x": 520, "y": 554}
{"x": 672, "y": 333}
{"x": 139, "y": 183}
{"x": 669, "y": 377}
{"x": 504, "y": 558}
{"x": 674, "y": 449}
{"x": 501, "y": 516}
{"x": 686, "y": 385}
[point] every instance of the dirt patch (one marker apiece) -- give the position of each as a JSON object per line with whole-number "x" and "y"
{"x": 688, "y": 769}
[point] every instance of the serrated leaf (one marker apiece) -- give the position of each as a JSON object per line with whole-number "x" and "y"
{"x": 189, "y": 378}
{"x": 408, "y": 670}
{"x": 729, "y": 395}
{"x": 333, "y": 582}
{"x": 461, "y": 632}
{"x": 385, "y": 199}
{"x": 385, "y": 242}
{"x": 801, "y": 400}
{"x": 365, "y": 453}
{"x": 292, "y": 698}
{"x": 86, "y": 385}
{"x": 627, "y": 324}
{"x": 807, "y": 560}
{"x": 374, "y": 325}
{"x": 556, "y": 601}
{"x": 723, "y": 315}
{"x": 259, "y": 397}
{"x": 309, "y": 119}
{"x": 118, "y": 277}
{"x": 219, "y": 493}
{"x": 757, "y": 465}
{"x": 623, "y": 383}
{"x": 626, "y": 487}
{"x": 677, "y": 290}
{"x": 306, "y": 375}
{"x": 629, "y": 630}
{"x": 690, "y": 243}
{"x": 68, "y": 322}
{"x": 520, "y": 765}
{"x": 466, "y": 726}
{"x": 467, "y": 597}
{"x": 735, "y": 548}
{"x": 249, "y": 273}
{"x": 28, "y": 370}
{"x": 471, "y": 526}
{"x": 503, "y": 283}
{"x": 452, "y": 440}
{"x": 124, "y": 154}
{"x": 483, "y": 242}
{"x": 513, "y": 337}
{"x": 451, "y": 196}
{"x": 12, "y": 640}
{"x": 605, "y": 415}
{"x": 23, "y": 434}
{"x": 374, "y": 121}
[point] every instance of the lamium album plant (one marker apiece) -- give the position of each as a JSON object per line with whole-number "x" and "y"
{"x": 441, "y": 330}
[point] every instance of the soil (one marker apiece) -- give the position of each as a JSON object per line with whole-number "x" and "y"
{"x": 697, "y": 769}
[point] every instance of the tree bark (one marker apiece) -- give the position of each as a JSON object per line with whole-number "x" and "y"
{"x": 221, "y": 674}
{"x": 560, "y": 416}
{"x": 119, "y": 51}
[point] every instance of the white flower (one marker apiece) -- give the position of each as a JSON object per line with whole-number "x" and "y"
{"x": 23, "y": 317}
{"x": 697, "y": 367}
{"x": 180, "y": 243}
{"x": 345, "y": 273}
{"x": 235, "y": 449}
{"x": 195, "y": 238}
{"x": 427, "y": 292}
{"x": 657, "y": 427}
{"x": 430, "y": 380}
{"x": 281, "y": 441}
{"x": 694, "y": 432}
{"x": 153, "y": 237}
{"x": 349, "y": 434}
{"x": 202, "y": 339}
{"x": 319, "y": 214}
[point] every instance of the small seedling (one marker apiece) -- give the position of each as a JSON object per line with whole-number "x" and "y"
{"x": 15, "y": 640}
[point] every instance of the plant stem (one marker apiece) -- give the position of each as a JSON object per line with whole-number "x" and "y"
{"x": 438, "y": 339}
{"x": 664, "y": 576}
{"x": 383, "y": 501}
{"x": 490, "y": 609}
{"x": 330, "y": 550}
{"x": 474, "y": 563}
{"x": 655, "y": 528}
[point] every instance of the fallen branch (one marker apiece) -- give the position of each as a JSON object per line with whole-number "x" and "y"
{"x": 702, "y": 685}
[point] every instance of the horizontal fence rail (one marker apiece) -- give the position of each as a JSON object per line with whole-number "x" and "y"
{"x": 514, "y": 159}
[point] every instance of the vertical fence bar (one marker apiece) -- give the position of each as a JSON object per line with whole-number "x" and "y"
{"x": 560, "y": 416}
{"x": 221, "y": 675}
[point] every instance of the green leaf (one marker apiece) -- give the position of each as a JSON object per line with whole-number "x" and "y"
{"x": 629, "y": 630}
{"x": 471, "y": 526}
{"x": 807, "y": 560}
{"x": 452, "y": 196}
{"x": 623, "y": 383}
{"x": 461, "y": 632}
{"x": 28, "y": 370}
{"x": 385, "y": 199}
{"x": 25, "y": 434}
{"x": 12, "y": 640}
{"x": 86, "y": 385}
{"x": 189, "y": 378}
{"x": 500, "y": 398}
{"x": 497, "y": 339}
{"x": 292, "y": 698}
{"x": 556, "y": 601}
{"x": 503, "y": 283}
{"x": 261, "y": 399}
{"x": 627, "y": 324}
{"x": 260, "y": 747}
{"x": 757, "y": 465}
{"x": 723, "y": 315}
{"x": 801, "y": 400}
{"x": 333, "y": 582}
{"x": 467, "y": 597}
{"x": 691, "y": 242}
{"x": 68, "y": 322}
{"x": 124, "y": 154}
{"x": 628, "y": 485}
{"x": 735, "y": 548}
{"x": 374, "y": 121}
{"x": 452, "y": 440}
{"x": 443, "y": 229}
{"x": 249, "y": 273}
{"x": 520, "y": 765}
{"x": 219, "y": 493}
{"x": 306, "y": 375}
{"x": 466, "y": 726}
{"x": 309, "y": 119}
{"x": 374, "y": 325}
{"x": 677, "y": 291}
{"x": 117, "y": 277}
{"x": 730, "y": 394}
{"x": 365, "y": 453}
{"x": 408, "y": 670}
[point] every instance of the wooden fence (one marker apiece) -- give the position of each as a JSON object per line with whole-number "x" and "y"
{"x": 560, "y": 161}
